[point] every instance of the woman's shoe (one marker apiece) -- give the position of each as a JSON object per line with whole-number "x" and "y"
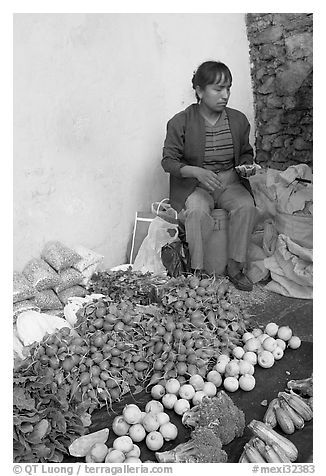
{"x": 241, "y": 282}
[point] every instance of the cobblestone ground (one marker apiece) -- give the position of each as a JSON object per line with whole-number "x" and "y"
{"x": 271, "y": 307}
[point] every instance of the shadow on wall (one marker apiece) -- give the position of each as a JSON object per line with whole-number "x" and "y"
{"x": 281, "y": 54}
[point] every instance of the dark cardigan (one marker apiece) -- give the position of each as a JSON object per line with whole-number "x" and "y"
{"x": 185, "y": 145}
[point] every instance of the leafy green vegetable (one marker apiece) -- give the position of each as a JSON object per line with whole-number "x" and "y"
{"x": 44, "y": 424}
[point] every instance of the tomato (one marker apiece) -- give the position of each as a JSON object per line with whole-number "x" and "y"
{"x": 182, "y": 357}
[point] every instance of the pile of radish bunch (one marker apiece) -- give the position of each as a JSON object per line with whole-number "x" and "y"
{"x": 116, "y": 347}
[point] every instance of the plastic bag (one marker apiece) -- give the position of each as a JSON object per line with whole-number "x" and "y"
{"x": 32, "y": 326}
{"x": 59, "y": 256}
{"x": 148, "y": 259}
{"x": 176, "y": 258}
{"x": 22, "y": 306}
{"x": 22, "y": 288}
{"x": 76, "y": 303}
{"x": 164, "y": 210}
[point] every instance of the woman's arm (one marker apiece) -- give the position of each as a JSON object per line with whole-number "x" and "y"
{"x": 173, "y": 149}
{"x": 246, "y": 151}
{"x": 173, "y": 160}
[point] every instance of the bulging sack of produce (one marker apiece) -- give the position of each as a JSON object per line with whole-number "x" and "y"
{"x": 87, "y": 273}
{"x": 68, "y": 277}
{"x": 22, "y": 306}
{"x": 87, "y": 258}
{"x": 40, "y": 274}
{"x": 47, "y": 300}
{"x": 299, "y": 228}
{"x": 22, "y": 288}
{"x": 32, "y": 326}
{"x": 59, "y": 256}
{"x": 74, "y": 291}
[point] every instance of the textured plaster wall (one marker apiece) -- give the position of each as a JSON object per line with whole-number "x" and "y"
{"x": 92, "y": 95}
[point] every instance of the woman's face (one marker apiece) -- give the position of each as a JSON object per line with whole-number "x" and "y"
{"x": 215, "y": 96}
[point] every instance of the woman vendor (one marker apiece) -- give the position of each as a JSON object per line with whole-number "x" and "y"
{"x": 203, "y": 145}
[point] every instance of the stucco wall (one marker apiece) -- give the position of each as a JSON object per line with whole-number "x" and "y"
{"x": 92, "y": 95}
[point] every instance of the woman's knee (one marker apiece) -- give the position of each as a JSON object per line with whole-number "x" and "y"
{"x": 199, "y": 203}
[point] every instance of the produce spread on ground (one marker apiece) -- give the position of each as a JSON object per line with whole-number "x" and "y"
{"x": 187, "y": 342}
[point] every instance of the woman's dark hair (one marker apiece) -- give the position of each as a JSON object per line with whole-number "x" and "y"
{"x": 207, "y": 73}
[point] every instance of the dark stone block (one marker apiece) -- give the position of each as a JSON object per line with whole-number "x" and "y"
{"x": 299, "y": 45}
{"x": 267, "y": 86}
{"x": 262, "y": 156}
{"x": 269, "y": 35}
{"x": 289, "y": 80}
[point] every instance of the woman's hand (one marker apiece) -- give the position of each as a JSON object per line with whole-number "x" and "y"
{"x": 206, "y": 177}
